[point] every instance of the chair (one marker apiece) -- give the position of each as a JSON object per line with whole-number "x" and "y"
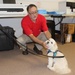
{"x": 51, "y": 26}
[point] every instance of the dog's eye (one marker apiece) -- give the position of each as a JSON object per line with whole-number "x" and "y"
{"x": 47, "y": 42}
{"x": 51, "y": 42}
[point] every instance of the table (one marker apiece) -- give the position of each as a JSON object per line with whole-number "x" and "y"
{"x": 63, "y": 26}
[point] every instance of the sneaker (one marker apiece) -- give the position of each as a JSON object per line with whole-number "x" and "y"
{"x": 37, "y": 51}
{"x": 25, "y": 52}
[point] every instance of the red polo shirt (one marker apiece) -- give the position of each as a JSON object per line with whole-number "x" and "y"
{"x": 29, "y": 27}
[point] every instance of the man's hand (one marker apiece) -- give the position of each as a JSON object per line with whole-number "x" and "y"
{"x": 44, "y": 45}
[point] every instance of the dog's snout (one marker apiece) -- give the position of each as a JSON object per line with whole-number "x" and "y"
{"x": 48, "y": 42}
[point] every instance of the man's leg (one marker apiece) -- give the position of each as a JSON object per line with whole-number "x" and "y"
{"x": 41, "y": 37}
{"x": 22, "y": 40}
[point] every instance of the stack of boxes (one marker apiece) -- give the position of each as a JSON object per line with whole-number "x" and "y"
{"x": 71, "y": 31}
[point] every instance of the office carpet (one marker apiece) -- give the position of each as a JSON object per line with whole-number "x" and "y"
{"x": 14, "y": 63}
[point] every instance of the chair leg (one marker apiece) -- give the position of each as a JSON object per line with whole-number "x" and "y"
{"x": 63, "y": 29}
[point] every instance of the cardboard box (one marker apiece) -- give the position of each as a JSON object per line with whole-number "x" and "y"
{"x": 71, "y": 28}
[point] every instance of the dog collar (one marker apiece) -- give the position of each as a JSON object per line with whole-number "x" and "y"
{"x": 49, "y": 51}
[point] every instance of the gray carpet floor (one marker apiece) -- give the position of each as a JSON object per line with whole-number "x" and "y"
{"x": 14, "y": 63}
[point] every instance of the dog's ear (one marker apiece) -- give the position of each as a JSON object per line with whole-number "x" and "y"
{"x": 55, "y": 45}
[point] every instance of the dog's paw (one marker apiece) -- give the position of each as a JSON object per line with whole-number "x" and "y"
{"x": 49, "y": 67}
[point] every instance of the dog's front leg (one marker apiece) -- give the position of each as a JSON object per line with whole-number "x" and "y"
{"x": 50, "y": 63}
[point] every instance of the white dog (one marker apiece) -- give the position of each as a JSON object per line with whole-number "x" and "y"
{"x": 56, "y": 60}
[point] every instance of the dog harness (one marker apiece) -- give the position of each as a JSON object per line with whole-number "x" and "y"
{"x": 54, "y": 55}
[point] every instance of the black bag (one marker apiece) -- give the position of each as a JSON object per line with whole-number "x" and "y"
{"x": 6, "y": 41}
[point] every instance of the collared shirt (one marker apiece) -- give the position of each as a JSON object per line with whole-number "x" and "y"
{"x": 29, "y": 27}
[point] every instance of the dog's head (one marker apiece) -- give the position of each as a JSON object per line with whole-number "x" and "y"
{"x": 51, "y": 44}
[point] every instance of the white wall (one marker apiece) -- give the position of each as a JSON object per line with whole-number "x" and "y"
{"x": 71, "y": 0}
{"x": 14, "y": 23}
{"x": 1, "y": 1}
{"x": 43, "y": 4}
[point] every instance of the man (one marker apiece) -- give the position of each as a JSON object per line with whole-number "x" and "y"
{"x": 34, "y": 30}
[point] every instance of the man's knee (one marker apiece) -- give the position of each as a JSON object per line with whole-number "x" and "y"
{"x": 42, "y": 36}
{"x": 21, "y": 39}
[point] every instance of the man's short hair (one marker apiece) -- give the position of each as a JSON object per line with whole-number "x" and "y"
{"x": 30, "y": 6}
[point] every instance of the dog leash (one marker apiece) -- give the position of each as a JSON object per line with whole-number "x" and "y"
{"x": 44, "y": 55}
{"x": 31, "y": 51}
{"x": 24, "y": 47}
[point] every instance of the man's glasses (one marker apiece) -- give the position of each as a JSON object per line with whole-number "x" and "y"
{"x": 36, "y": 12}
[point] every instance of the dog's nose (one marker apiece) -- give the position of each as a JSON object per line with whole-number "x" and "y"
{"x": 48, "y": 42}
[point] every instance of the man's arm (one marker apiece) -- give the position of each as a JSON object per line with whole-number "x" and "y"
{"x": 47, "y": 34}
{"x": 35, "y": 39}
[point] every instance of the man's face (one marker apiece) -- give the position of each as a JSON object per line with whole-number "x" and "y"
{"x": 33, "y": 13}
